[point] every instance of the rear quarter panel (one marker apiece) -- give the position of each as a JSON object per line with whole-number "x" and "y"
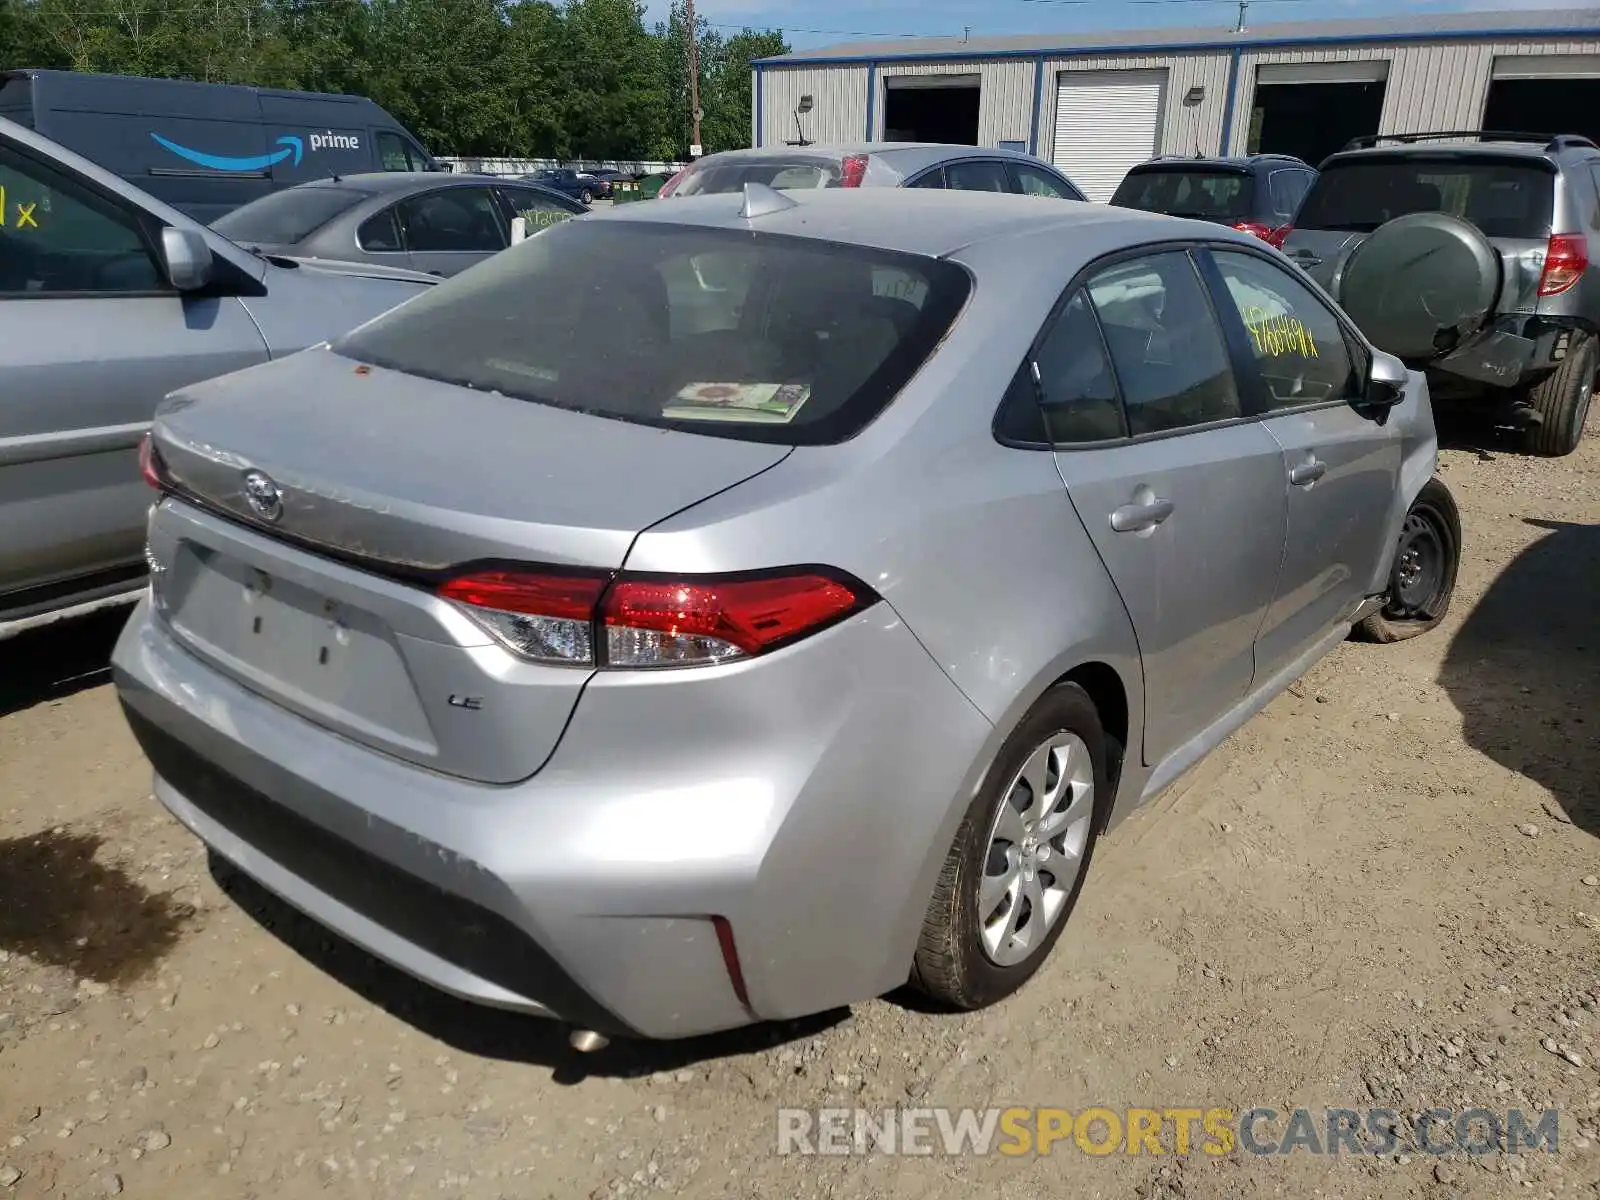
{"x": 974, "y": 545}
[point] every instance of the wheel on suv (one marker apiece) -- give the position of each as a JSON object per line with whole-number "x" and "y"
{"x": 1501, "y": 304}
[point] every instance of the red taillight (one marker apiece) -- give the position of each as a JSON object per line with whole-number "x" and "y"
{"x": 150, "y": 464}
{"x": 853, "y": 170}
{"x": 1280, "y": 235}
{"x": 586, "y": 619}
{"x": 671, "y": 185}
{"x": 1566, "y": 258}
{"x": 543, "y": 616}
{"x": 1256, "y": 229}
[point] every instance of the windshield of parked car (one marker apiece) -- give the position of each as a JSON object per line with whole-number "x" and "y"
{"x": 752, "y": 336}
{"x": 1206, "y": 194}
{"x": 286, "y": 217}
{"x": 1503, "y": 198}
{"x": 775, "y": 172}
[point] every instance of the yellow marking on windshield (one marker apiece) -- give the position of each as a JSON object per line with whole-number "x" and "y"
{"x": 25, "y": 215}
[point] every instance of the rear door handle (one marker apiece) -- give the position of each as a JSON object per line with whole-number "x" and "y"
{"x": 1308, "y": 473}
{"x": 1306, "y": 259}
{"x": 1136, "y": 518}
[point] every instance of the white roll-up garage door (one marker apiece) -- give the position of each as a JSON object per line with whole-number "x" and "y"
{"x": 1106, "y": 121}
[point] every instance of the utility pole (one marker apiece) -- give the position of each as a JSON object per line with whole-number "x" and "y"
{"x": 1243, "y": 5}
{"x": 695, "y": 145}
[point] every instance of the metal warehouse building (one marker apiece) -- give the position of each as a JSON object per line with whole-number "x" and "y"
{"x": 1095, "y": 104}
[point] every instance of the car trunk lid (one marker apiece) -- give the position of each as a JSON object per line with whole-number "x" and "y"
{"x": 370, "y": 488}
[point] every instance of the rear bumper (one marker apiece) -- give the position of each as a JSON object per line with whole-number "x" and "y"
{"x": 1514, "y": 351}
{"x": 807, "y": 799}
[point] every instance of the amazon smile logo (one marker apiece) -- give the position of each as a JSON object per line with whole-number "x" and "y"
{"x": 220, "y": 162}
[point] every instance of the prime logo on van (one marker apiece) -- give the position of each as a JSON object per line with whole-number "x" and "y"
{"x": 293, "y": 146}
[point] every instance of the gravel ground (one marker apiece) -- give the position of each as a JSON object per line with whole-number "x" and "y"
{"x": 1380, "y": 892}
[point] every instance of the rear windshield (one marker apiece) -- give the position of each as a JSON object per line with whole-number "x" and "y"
{"x": 286, "y": 217}
{"x": 774, "y": 172}
{"x": 751, "y": 336}
{"x": 1188, "y": 192}
{"x": 1503, "y": 199}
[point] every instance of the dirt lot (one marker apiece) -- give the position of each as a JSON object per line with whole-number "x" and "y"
{"x": 1378, "y": 893}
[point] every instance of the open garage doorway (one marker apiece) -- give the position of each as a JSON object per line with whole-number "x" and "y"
{"x": 1556, "y": 93}
{"x": 931, "y": 108}
{"x": 1310, "y": 110}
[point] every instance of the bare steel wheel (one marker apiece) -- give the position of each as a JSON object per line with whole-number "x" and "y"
{"x": 1019, "y": 857}
{"x": 1422, "y": 580}
{"x": 1036, "y": 848}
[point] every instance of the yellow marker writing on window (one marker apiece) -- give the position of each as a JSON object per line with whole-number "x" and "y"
{"x": 1279, "y": 334}
{"x": 2, "y": 206}
{"x": 25, "y": 216}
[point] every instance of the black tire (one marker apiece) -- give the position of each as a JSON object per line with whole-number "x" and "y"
{"x": 1562, "y": 399}
{"x": 586, "y": 197}
{"x": 1432, "y": 530}
{"x": 951, "y": 965}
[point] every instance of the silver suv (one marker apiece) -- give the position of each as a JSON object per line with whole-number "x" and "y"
{"x": 109, "y": 299}
{"x": 1500, "y": 298}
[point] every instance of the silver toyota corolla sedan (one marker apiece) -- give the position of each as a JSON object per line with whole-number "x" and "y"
{"x": 727, "y": 610}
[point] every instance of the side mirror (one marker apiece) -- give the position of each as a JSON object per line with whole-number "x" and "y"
{"x": 1386, "y": 386}
{"x": 185, "y": 258}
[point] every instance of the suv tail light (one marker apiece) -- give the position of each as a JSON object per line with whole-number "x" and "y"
{"x": 587, "y": 619}
{"x": 1273, "y": 237}
{"x": 671, "y": 185}
{"x": 1566, "y": 258}
{"x": 150, "y": 464}
{"x": 853, "y": 170}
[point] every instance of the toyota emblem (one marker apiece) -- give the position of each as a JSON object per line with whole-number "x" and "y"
{"x": 262, "y": 495}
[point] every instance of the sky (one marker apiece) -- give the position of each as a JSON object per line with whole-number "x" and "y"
{"x": 810, "y": 23}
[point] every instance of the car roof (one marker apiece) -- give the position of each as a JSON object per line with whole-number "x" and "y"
{"x": 388, "y": 182}
{"x": 934, "y": 223}
{"x": 1548, "y": 150}
{"x": 1239, "y": 161}
{"x": 910, "y": 154}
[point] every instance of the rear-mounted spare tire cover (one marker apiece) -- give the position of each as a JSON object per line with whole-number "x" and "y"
{"x": 1420, "y": 284}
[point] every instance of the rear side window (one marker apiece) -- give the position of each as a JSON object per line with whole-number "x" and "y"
{"x": 1076, "y": 387}
{"x": 1502, "y": 198}
{"x": 979, "y": 176}
{"x": 380, "y": 232}
{"x": 455, "y": 219}
{"x": 1031, "y": 181}
{"x": 1201, "y": 194}
{"x": 1170, "y": 357}
{"x": 286, "y": 217}
{"x": 1288, "y": 189}
{"x": 929, "y": 179}
{"x": 774, "y": 172}
{"x": 734, "y": 334}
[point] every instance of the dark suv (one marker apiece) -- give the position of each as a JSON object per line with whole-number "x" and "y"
{"x": 1500, "y": 303}
{"x": 1255, "y": 193}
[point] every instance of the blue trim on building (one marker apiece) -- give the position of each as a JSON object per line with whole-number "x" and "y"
{"x": 1363, "y": 39}
{"x": 761, "y": 93}
{"x": 1227, "y": 103}
{"x": 872, "y": 98}
{"x": 1038, "y": 95}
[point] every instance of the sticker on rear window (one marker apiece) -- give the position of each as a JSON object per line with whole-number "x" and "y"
{"x": 765, "y": 402}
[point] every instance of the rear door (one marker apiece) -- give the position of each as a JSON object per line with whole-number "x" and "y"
{"x": 1181, "y": 492}
{"x": 95, "y": 337}
{"x": 539, "y": 209}
{"x": 1340, "y": 469}
{"x": 452, "y": 228}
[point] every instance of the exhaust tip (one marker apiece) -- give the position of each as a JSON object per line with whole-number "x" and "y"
{"x": 587, "y": 1041}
